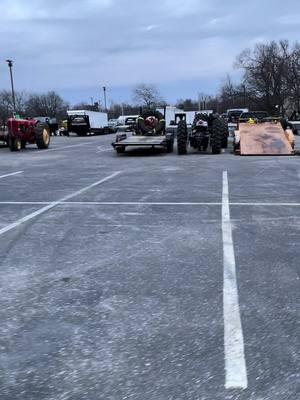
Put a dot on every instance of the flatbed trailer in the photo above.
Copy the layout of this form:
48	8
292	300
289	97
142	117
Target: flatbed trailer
149	131
263	139
141	141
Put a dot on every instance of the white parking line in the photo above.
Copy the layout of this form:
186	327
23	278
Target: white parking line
146	203
12	174
54	204
109	203
104	148
69	147
266	204
235	364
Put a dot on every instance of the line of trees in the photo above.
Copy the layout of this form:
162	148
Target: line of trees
271	78
32	105
270	81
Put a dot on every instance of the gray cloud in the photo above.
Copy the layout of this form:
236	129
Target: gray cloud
69	44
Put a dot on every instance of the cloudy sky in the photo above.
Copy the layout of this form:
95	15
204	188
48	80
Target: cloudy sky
184	46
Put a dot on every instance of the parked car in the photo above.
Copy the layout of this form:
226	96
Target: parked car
113	125
294	121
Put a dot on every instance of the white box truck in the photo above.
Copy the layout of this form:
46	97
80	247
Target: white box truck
84	122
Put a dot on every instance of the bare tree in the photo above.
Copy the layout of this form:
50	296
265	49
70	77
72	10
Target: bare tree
266	74
147	95
85	106
49	104
294	78
6	105
187	104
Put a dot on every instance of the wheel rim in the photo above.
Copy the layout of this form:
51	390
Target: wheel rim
18	144
45	136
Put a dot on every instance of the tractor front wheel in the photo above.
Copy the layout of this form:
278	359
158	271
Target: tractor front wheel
42	135
120	149
216	136
182	138
225	135
14	144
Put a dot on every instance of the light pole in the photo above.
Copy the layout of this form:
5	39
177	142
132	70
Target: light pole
10	65
104	93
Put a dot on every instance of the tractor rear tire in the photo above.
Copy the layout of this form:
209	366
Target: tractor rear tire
216	136
14	144
42	135
224	142
182	138
225	135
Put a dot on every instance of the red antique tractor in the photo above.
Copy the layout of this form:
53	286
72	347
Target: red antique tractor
27	131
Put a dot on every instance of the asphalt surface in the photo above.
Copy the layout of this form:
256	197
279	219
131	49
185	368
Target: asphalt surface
113	289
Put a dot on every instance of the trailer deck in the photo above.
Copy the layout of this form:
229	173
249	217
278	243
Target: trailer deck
141	141
264	139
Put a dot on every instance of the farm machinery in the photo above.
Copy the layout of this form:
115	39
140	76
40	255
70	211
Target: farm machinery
207	130
148	131
27	131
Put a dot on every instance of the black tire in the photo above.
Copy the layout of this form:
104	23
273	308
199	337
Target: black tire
14	144
205	144
224	142
225	135
216	136
141	127
120	150
42	135
182	138
170	146
23	144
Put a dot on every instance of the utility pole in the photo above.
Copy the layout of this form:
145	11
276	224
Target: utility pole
10	65
104	94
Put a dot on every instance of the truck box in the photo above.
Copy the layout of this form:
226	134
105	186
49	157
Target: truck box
83	122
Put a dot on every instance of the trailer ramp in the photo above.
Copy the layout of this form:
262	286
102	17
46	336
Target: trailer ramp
265	139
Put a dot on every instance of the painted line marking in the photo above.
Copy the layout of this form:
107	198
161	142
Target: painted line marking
108	203
55	203
235	364
104	148
144	203
68	147
12	174
265	204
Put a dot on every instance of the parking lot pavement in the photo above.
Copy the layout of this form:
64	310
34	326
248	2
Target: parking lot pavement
140	277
